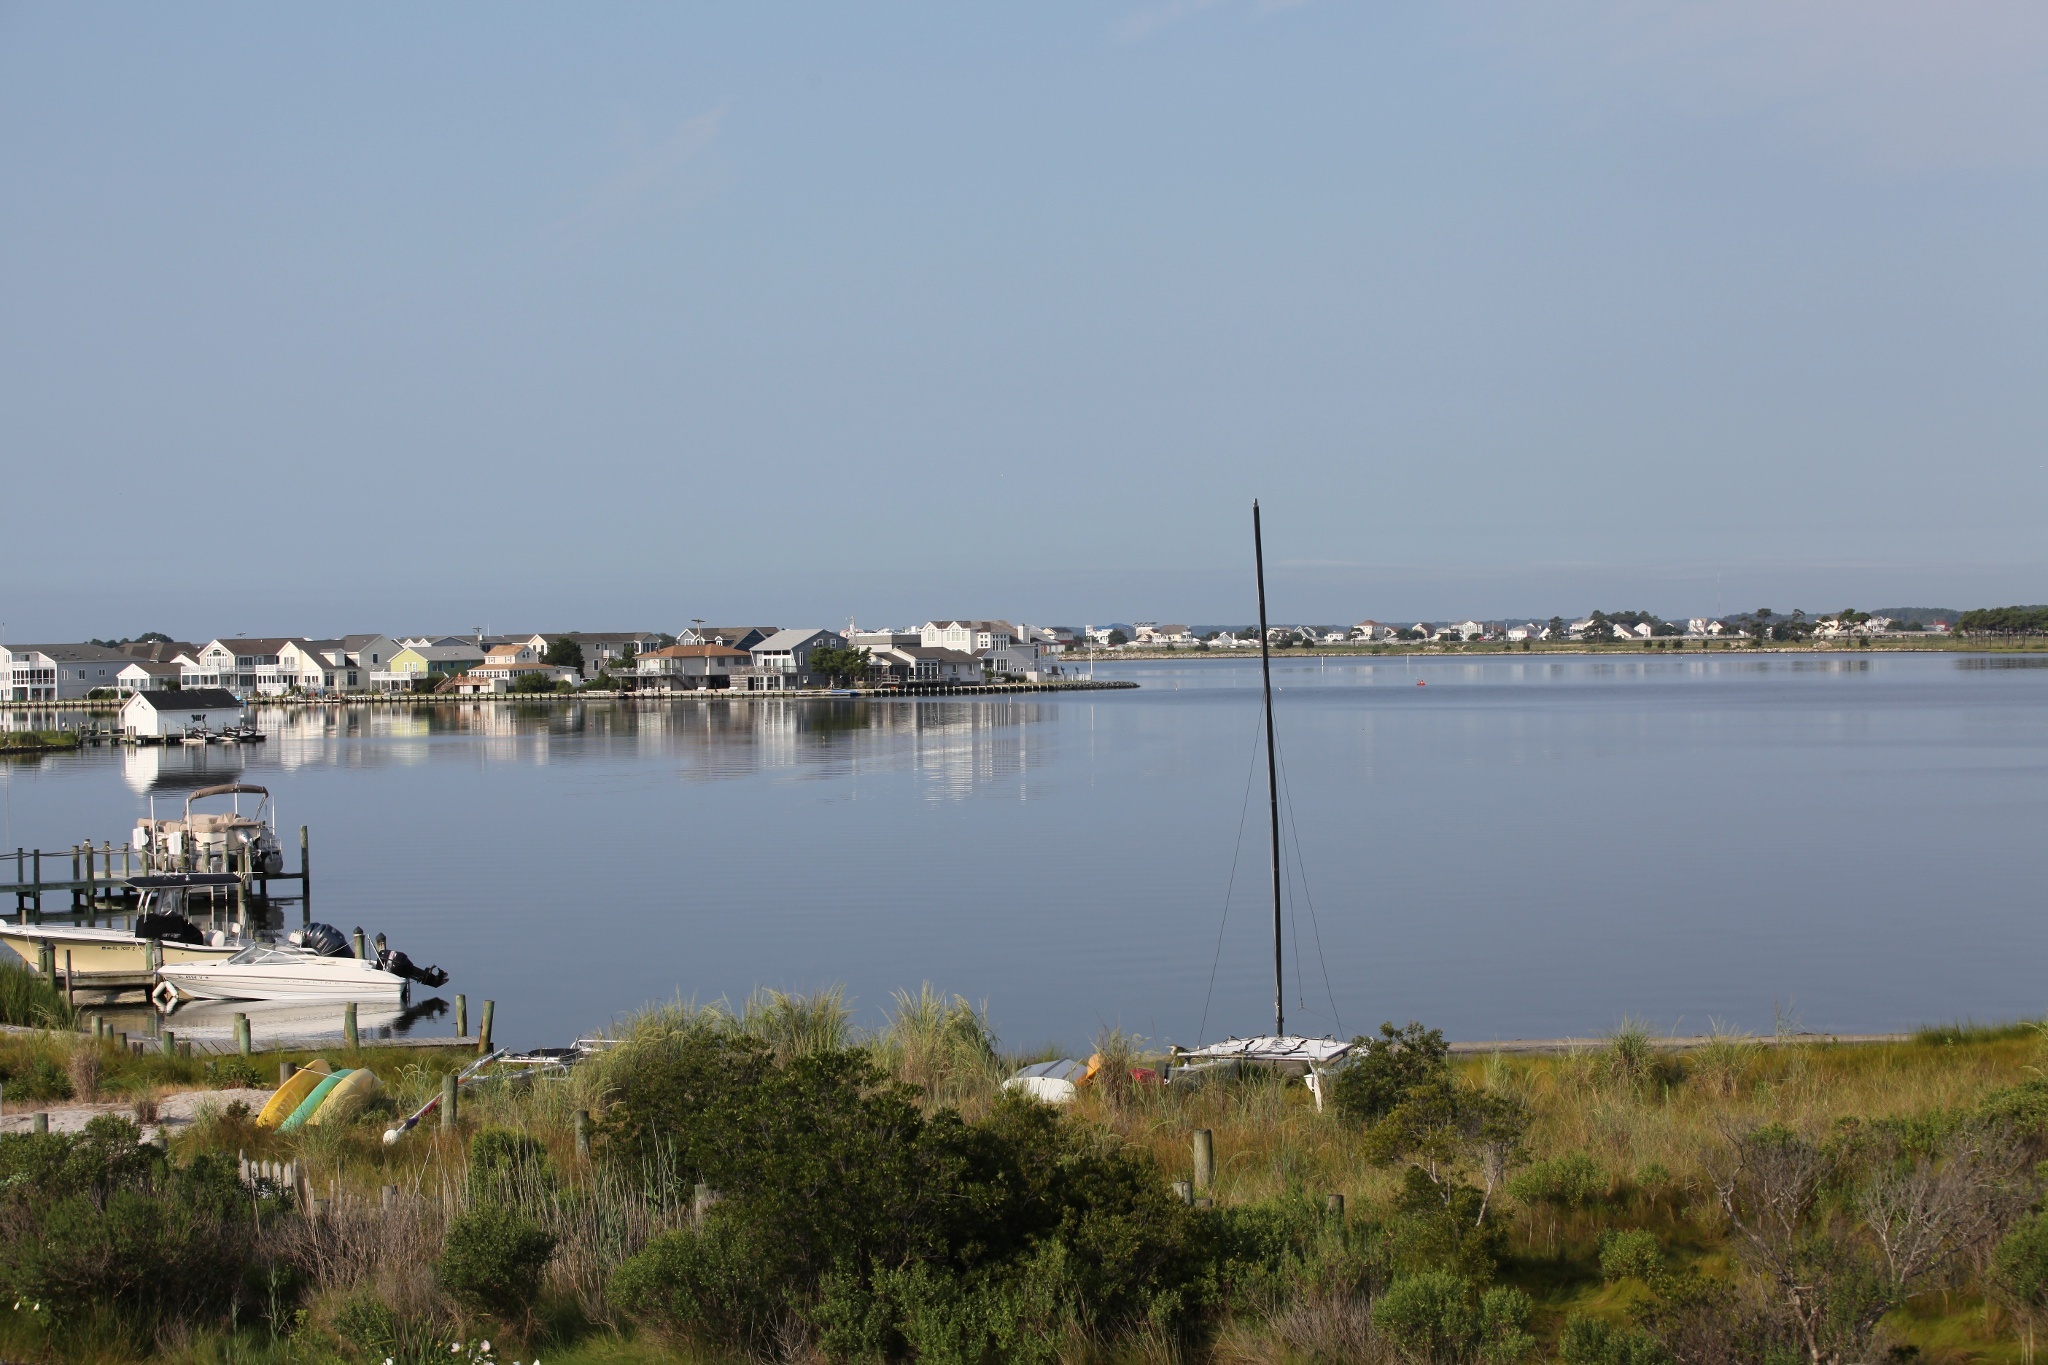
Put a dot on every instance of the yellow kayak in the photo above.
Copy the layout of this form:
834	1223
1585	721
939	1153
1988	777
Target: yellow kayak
347	1098
289	1095
310	1105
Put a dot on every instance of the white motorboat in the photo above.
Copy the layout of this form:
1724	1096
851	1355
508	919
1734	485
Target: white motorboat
280	971
214	841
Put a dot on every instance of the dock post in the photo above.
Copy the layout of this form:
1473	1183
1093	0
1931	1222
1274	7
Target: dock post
38	866
450	1097
358	937
285	1071
121	1040
461	1016
70	998
1184	1190
75	880
348	1026
483	1031
170	1042
1205	1158
305	880
39	1122
583	1134
244	1044
20	898
92	890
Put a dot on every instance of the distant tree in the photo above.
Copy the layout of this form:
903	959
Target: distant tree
1557	628
2004	621
843	667
535	681
1117	637
565	652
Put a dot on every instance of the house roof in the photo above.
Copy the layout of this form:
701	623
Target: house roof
944	656
157	668
733	635
191	699
697	652
158	651
75	654
608	637
443	653
976	625
240	645
789	639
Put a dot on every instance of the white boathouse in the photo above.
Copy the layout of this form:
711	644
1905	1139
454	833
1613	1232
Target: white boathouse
163	715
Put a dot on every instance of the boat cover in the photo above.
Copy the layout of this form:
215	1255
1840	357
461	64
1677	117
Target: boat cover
1273	1048
1054	1082
325	940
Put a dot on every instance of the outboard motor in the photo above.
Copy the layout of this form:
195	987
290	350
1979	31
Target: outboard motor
398	964
325	940
167	926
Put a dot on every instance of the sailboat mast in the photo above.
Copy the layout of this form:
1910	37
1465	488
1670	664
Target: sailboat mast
1272	772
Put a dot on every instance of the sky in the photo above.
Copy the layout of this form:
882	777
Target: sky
318	319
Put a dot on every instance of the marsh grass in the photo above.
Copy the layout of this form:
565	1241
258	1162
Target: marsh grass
941	1045
30	1001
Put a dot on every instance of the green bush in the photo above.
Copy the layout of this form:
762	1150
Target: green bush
714	1285
492	1260
1437	1318
1573	1180
41	1079
1594	1341
29	1000
1385	1069
233	1073
96	1223
1634	1254
1436	1227
505	1165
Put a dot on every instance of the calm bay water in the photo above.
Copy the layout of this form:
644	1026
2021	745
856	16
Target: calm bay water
1522	847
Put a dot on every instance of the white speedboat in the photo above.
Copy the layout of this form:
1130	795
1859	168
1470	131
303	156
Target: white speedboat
279	971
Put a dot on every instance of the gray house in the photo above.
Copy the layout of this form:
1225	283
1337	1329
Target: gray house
782	662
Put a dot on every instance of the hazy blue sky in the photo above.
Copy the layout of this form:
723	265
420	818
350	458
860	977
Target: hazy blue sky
418	317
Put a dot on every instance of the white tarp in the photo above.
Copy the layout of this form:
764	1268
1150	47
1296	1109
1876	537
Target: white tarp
1053	1082
1271	1048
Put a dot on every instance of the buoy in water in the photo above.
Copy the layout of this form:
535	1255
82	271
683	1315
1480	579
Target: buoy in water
1420	683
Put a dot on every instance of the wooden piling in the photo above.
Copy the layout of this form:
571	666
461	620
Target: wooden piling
450	1097
170	1043
38	894
1184	1190
461	1016
305	880
583	1134
357	937
244	1044
121	1040
1205	1158
70	997
389	1196
348	1026
39	1122
285	1071
483	1031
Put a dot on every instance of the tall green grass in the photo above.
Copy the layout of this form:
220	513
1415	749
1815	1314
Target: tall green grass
28	1000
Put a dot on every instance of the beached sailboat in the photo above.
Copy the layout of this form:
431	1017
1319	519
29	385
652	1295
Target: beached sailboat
1288	1053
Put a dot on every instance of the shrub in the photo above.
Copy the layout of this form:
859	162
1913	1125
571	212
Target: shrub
1631	1255
233	1073
1573	1180
716	1284
29	1000
41	1079
1385	1069
492	1260
1594	1341
83	1067
1437	1319
506	1165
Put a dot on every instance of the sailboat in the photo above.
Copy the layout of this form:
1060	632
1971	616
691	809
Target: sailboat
1291	1054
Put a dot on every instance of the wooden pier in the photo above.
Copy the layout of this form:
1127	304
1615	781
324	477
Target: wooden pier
98	884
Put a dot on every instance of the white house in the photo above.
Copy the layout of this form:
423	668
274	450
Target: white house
60	672
916	664
688	667
969	637
145	676
162	715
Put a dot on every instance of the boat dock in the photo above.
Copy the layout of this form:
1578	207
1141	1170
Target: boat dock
98	888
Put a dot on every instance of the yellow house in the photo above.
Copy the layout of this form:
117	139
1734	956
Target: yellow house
420	661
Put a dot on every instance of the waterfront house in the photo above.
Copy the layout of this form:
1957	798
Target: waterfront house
783	661
601	648
1017	661
969	637
59	672
148	676
168	715
916	664
681	668
1174	636
513	652
503	674
249	667
411	663
732	637
885	639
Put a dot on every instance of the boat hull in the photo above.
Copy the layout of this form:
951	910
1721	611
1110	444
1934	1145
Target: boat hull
322	979
103	952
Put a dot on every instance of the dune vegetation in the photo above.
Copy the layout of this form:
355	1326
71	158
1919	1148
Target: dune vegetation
768	1182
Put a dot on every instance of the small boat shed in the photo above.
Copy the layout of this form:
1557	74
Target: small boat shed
169	715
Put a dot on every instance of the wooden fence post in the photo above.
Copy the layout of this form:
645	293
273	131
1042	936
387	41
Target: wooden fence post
461	1016
450	1097
1205	1158
244	1043
583	1134
348	1026
483	1032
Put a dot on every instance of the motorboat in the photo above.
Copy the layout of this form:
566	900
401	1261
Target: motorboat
214	841
313	964
160	934
280	971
